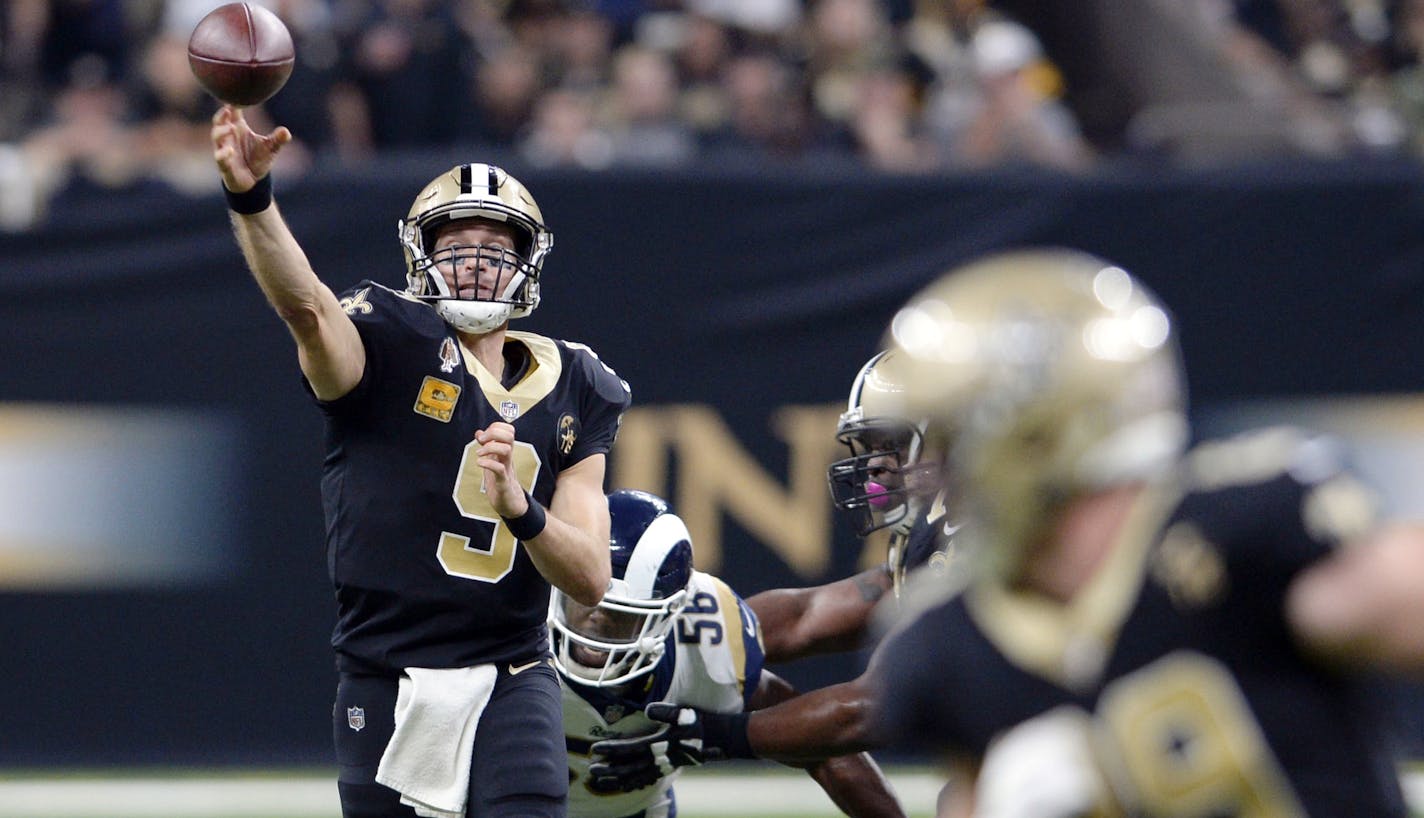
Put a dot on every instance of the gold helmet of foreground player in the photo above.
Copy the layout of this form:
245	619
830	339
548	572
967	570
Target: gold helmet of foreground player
1050	373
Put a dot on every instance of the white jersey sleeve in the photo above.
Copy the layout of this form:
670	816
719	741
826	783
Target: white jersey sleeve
715	665
719	651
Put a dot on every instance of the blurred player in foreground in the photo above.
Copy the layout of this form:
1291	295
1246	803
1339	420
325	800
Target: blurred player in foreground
667	633
1141	631
882	484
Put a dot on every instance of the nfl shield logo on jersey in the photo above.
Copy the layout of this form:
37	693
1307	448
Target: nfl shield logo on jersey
509	410
356	718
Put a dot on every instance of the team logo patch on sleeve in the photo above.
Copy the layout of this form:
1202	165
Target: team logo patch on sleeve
1189	567
568	432
357	303
437	399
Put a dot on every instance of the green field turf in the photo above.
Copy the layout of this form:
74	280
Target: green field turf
746	791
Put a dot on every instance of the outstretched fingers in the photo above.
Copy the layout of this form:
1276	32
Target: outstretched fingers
243	155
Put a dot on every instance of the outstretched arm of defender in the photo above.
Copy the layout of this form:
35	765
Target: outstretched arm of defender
801	622
854	781
816	725
328	346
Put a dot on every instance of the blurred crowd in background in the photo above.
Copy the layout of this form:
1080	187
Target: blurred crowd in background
98	92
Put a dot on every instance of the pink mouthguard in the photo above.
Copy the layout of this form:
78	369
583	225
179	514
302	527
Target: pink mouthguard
877	495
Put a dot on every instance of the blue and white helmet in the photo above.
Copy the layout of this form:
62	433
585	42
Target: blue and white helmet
625	635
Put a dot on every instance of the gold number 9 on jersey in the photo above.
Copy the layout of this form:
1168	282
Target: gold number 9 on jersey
459	555
1190	745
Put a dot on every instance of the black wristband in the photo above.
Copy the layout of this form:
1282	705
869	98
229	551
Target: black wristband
256	200
726	733
528	525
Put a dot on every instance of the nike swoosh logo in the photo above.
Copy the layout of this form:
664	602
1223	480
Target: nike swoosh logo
748	619
515	671
949	530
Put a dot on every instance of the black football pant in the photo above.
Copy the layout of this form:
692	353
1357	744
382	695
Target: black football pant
520	764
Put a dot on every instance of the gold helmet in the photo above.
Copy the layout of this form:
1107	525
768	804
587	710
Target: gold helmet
876	484
477	191
1049	374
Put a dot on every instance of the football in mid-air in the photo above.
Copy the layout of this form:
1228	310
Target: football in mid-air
241	53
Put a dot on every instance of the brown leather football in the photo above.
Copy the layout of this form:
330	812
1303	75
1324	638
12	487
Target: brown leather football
241	53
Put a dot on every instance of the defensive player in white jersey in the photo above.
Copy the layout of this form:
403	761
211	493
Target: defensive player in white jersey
664	636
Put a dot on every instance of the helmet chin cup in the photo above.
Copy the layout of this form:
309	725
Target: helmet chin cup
474	316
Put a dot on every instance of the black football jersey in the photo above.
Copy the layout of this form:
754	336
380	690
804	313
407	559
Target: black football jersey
929	544
1179	648
426	574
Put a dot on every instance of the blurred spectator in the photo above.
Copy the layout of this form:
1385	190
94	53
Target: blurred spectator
22	29
702	48
582	45
887	125
535	24
172	115
506	87
846	39
42	42
77	29
305	104
84	138
564	133
767	117
645	125
1013	114
1407	82
404	59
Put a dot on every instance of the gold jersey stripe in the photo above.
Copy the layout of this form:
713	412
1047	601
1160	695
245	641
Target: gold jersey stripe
735	627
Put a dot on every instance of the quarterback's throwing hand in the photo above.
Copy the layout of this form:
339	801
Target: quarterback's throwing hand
628	764
243	155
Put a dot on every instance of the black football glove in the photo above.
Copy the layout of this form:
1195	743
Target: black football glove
688	737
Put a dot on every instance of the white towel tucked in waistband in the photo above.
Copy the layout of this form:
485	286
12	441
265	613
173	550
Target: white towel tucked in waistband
428	757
